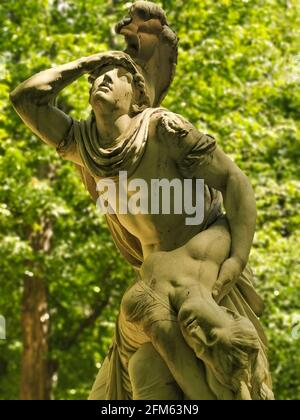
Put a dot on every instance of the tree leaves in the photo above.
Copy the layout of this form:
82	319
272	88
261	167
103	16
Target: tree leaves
238	79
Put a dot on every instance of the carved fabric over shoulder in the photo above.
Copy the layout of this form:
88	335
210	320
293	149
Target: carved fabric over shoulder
200	154
125	156
173	125
195	148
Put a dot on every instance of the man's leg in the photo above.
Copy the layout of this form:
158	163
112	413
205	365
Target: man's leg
150	377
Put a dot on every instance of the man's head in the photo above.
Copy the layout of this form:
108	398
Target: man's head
149	38
118	87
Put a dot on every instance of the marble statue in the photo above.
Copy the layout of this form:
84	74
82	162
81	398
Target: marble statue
188	327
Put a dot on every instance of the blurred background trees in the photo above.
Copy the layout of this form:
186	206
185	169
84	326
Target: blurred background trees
61	278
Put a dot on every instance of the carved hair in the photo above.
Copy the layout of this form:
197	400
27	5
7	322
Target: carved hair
232	352
120	59
236	353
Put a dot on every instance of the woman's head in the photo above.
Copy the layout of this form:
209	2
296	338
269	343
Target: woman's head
227	343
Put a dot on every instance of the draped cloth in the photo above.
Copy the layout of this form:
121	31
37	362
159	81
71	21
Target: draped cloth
82	144
94	163
113	382
108	162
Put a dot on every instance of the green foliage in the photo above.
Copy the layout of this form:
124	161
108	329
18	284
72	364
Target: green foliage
238	78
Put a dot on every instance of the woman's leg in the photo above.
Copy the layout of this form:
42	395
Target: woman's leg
150	377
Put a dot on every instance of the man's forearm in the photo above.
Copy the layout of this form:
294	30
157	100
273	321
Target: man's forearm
240	208
33	99
45	85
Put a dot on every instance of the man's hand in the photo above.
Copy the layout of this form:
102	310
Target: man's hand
229	274
91	63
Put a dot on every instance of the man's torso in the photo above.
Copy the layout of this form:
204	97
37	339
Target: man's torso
161	231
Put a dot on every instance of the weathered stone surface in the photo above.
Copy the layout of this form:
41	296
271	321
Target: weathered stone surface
193	310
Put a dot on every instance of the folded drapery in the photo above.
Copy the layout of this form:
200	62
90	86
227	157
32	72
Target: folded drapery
93	162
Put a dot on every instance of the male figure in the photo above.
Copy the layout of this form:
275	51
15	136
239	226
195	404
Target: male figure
162	145
153	45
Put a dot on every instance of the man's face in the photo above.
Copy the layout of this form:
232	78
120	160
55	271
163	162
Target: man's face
112	90
141	35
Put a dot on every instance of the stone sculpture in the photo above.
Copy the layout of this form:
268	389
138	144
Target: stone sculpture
188	326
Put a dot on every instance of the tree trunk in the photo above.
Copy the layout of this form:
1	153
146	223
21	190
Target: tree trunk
36	375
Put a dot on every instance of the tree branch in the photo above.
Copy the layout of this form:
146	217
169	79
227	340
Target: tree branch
87	322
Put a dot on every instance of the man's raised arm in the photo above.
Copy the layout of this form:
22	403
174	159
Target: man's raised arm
34	99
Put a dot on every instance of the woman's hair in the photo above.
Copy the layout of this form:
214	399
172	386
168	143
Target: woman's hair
237	359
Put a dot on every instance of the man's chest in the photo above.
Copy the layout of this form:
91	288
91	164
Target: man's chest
156	163
151	202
